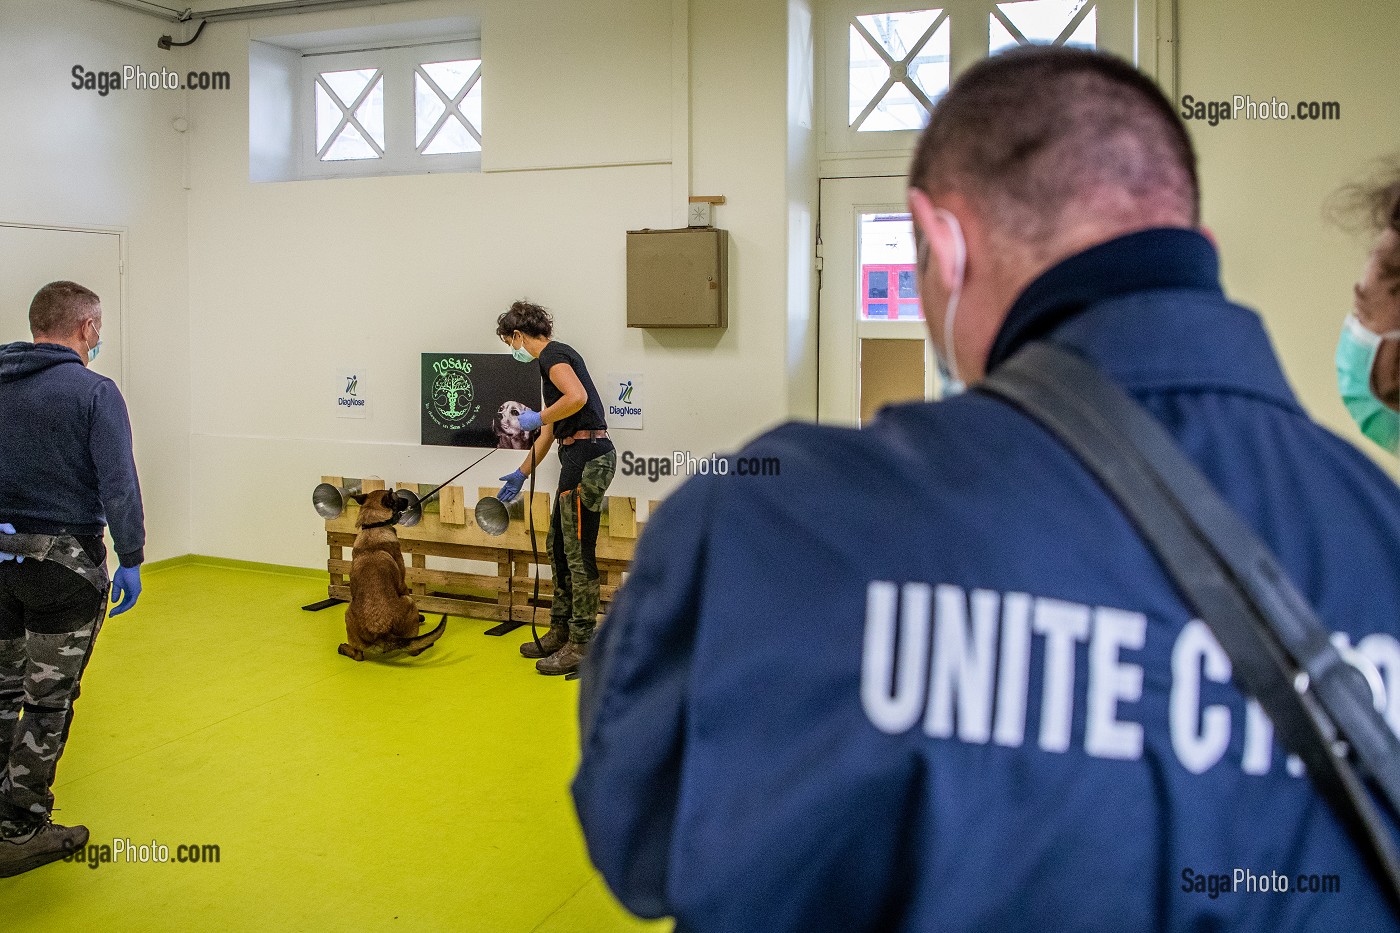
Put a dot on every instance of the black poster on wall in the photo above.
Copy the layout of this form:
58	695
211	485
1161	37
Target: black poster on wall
474	399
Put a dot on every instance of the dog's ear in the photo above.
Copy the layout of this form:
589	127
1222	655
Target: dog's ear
359	498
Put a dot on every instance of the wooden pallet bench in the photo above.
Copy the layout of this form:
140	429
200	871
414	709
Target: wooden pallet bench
449	530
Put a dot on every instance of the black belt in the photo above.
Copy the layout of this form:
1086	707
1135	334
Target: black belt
584	436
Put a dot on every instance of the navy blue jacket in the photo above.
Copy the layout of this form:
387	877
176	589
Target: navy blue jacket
1062	748
65	450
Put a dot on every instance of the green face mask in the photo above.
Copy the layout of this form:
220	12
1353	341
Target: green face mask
1356	357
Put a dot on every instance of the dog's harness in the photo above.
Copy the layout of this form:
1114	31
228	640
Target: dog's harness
582	436
64	550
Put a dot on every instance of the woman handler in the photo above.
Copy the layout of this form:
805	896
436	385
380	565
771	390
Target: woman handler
1368	354
573	415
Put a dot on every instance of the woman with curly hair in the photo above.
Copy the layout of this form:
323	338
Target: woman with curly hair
1368	354
573	414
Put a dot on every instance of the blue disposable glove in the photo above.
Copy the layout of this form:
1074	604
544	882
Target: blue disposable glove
8	529
511	490
529	420
126	587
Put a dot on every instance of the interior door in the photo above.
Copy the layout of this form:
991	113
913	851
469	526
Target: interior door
31	257
872	344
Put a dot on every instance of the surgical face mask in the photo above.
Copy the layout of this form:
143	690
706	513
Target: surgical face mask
96	348
1356	358
946	359
520	353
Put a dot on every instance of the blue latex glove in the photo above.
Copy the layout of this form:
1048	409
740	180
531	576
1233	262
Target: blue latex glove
511	490
126	587
529	420
8	529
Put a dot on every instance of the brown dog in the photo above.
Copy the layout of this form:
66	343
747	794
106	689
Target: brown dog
381	614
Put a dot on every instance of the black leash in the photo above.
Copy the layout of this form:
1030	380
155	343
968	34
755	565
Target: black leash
424	499
534	553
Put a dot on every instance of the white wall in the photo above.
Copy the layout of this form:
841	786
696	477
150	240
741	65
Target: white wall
1264	184
244	298
72	157
290	279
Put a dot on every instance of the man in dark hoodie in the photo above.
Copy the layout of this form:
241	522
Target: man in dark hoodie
66	471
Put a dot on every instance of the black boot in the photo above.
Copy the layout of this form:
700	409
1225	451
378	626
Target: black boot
47	842
564	661
550	641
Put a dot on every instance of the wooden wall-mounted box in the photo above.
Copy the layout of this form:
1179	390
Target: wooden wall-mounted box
678	278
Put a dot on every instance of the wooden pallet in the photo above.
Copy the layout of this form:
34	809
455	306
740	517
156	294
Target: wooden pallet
449	529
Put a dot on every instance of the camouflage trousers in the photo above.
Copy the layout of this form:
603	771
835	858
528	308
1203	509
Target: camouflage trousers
573	535
40	673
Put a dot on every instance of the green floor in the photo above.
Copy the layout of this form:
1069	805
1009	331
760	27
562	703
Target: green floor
420	794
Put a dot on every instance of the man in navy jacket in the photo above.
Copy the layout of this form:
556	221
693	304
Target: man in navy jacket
66	472
929	677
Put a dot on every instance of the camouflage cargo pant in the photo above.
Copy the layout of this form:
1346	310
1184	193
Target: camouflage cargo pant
573	535
41	666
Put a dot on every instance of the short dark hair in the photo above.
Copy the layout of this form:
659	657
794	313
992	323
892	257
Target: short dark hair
526	317
1025	132
60	307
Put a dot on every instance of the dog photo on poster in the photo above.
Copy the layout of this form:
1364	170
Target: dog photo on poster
475	399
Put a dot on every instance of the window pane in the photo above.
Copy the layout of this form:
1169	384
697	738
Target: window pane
453	137
899	32
899	109
331	108
450	76
350	144
920	60
1087	35
347	85
879	286
1043	21
868	74
371	112
427	107
887	259
471	105
907	287
327	116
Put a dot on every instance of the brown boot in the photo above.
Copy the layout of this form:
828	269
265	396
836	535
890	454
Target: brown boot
551	641
46	843
564	661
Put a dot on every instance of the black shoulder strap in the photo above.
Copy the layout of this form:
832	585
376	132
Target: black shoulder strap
1321	695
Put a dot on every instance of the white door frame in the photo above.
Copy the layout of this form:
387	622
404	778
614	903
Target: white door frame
839	330
123	304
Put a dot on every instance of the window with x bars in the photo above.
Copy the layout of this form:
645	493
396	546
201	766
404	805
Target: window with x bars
350	111
899	64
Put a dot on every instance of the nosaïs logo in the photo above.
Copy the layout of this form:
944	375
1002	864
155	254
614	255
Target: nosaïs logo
453	404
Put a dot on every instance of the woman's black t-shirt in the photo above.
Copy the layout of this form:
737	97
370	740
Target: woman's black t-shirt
591	416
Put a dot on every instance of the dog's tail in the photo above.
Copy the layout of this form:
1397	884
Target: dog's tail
416	646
